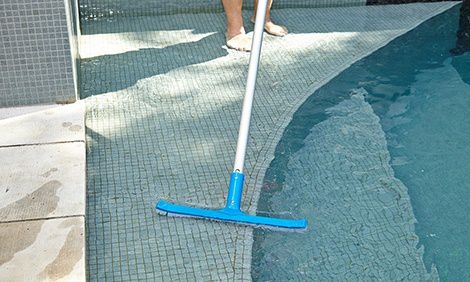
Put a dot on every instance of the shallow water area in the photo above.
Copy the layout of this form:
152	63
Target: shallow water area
378	161
163	104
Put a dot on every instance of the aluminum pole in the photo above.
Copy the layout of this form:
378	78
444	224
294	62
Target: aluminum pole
250	85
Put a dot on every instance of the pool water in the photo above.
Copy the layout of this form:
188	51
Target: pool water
378	161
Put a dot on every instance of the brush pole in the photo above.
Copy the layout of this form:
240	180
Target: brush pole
250	85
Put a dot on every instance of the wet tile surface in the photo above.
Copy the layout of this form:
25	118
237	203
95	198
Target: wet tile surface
162	123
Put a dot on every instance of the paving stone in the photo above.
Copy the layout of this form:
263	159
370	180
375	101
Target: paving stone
43	250
18	111
57	124
42	181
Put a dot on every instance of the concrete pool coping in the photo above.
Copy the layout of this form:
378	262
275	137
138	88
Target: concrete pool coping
42	209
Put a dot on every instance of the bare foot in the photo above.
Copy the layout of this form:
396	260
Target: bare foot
272	28
240	42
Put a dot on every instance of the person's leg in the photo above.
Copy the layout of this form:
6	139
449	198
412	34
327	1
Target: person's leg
269	26
233	12
236	37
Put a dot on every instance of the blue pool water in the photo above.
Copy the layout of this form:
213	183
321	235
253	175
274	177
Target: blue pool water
378	160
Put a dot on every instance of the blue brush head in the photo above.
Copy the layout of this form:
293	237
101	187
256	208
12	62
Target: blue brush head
231	215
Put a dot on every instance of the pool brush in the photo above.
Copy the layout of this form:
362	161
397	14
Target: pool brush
231	212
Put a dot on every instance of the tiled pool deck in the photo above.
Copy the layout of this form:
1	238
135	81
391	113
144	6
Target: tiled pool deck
163	101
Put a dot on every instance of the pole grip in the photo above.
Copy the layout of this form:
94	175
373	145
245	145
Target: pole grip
235	191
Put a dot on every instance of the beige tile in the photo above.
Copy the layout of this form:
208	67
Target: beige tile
42	181
18	111
43	250
56	124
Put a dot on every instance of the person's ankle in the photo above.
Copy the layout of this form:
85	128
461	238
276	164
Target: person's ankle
233	31
266	20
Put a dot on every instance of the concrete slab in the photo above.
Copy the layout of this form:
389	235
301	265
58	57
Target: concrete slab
42	181
56	124
43	250
18	111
